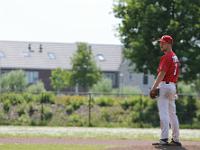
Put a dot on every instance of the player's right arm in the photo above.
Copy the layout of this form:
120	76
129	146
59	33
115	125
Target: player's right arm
159	78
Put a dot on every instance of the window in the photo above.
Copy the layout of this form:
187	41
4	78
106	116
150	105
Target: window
145	79
100	57
2	55
51	55
130	76
32	76
26	54
113	77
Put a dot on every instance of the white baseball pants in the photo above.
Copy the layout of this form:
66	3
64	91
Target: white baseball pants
167	111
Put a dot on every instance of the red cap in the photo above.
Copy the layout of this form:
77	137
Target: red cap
167	39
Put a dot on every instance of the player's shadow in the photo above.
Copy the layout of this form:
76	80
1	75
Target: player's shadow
170	147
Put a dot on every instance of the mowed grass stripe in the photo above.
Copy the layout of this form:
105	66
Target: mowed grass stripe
51	147
110	133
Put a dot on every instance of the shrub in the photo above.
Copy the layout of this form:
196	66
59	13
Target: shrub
128	102
14	98
58	119
28	97
104	101
22	109
105	115
24	119
134	117
185	88
6	105
3	119
133	111
47	113
31	110
36	88
69	109
71	102
76	104
104	85
47	97
187	109
75	120
67	100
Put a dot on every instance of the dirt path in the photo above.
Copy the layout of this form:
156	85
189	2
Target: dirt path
116	144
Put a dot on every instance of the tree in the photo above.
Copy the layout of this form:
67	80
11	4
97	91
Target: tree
13	81
85	72
143	22
60	79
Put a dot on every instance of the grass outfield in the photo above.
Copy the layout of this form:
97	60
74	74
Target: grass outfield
101	133
34	138
50	147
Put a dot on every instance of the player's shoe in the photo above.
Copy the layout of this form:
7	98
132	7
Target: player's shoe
175	143
162	142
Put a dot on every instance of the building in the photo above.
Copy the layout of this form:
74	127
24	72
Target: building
38	59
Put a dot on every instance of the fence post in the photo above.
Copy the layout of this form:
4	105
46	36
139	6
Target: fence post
89	109
42	112
42	107
141	111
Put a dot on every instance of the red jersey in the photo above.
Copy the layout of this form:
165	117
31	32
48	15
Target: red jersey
169	63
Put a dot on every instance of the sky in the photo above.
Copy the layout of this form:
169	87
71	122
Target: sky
67	21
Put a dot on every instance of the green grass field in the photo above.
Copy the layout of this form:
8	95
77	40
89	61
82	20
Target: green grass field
81	133
50	147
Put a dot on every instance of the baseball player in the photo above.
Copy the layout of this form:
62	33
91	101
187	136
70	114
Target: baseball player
166	80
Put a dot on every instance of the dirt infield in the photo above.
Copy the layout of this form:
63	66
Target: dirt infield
115	144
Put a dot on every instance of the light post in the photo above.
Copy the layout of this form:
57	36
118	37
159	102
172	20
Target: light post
121	75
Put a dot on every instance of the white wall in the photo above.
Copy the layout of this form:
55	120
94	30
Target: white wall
129	78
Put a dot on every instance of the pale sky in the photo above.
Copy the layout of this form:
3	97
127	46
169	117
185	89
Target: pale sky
66	21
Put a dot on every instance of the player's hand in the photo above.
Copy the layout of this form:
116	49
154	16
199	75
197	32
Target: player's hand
154	93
